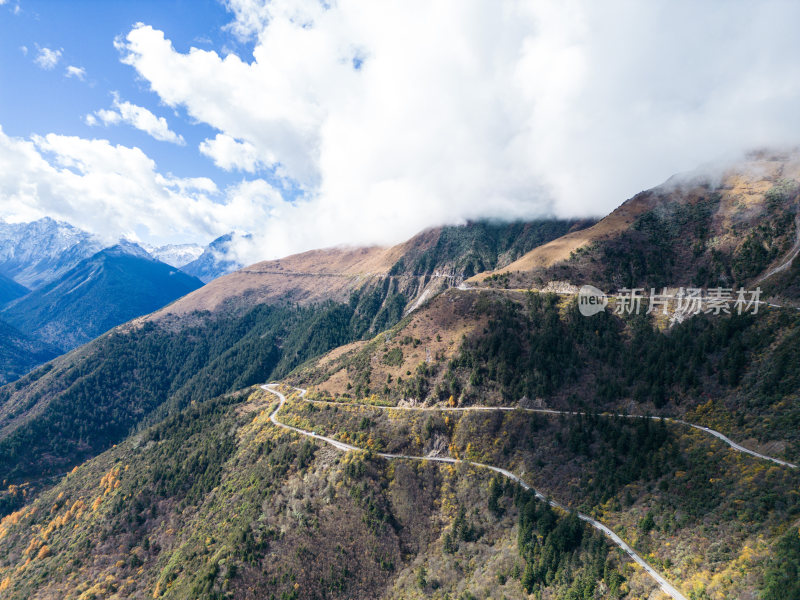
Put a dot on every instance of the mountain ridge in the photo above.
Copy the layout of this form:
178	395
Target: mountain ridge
102	291
344	269
734	225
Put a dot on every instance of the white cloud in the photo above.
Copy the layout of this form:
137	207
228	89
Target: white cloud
117	191
47	59
252	17
24	50
229	154
138	117
269	115
76	72
107	117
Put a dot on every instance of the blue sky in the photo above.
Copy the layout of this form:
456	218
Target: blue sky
313	123
38	101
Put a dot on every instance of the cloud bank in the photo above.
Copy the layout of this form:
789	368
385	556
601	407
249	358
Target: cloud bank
389	116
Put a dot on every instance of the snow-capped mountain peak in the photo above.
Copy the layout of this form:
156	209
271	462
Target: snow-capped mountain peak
38	252
131	248
176	255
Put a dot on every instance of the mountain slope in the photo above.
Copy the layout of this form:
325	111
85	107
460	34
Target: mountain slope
730	229
713	523
461	252
36	253
10	290
699	512
427	263
19	353
109	288
486	347
307	523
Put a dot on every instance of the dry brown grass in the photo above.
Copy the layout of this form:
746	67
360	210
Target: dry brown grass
741	189
308	277
313	276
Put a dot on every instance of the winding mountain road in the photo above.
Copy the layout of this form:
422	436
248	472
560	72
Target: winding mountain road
464	287
550	411
733	444
665	585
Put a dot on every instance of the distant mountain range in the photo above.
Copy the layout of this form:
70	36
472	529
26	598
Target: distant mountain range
36	253
108	288
176	255
60	288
